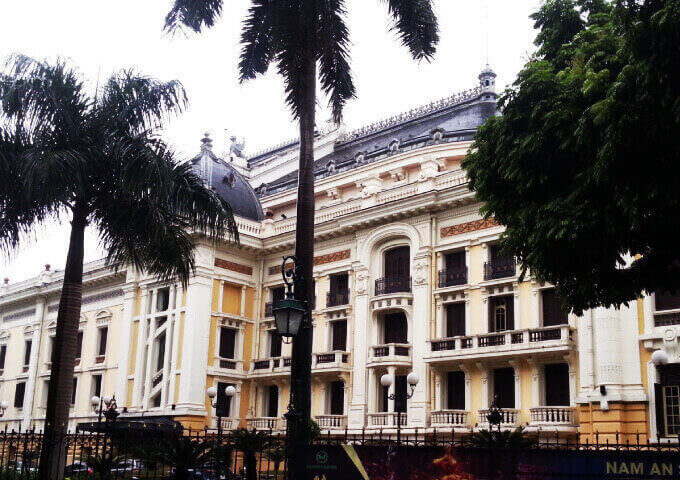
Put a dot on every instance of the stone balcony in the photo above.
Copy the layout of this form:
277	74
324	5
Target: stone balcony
510	418
386	419
390	355
277	424
270	367
449	419
331	422
503	344
332	362
227	423
551	417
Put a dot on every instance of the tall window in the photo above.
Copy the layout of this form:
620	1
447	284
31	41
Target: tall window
501	314
553	313
162	299
160	349
272	406
274	344
278	294
667	399
227	342
73	392
339	333
97	385
556	377
19	393
504	387
338	290
397	272
455	319
3	356
27	352
223	401
399	395
395	328
103	336
666	301
455	390
79	344
337	400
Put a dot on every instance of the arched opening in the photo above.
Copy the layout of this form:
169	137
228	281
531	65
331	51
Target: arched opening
394	328
397	271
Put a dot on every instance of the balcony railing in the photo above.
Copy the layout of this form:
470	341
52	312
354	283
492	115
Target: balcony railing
500	268
509	339
449	418
386	419
267	423
331	422
664	319
392	350
271	363
321	359
395	284
509	416
227	423
269	309
452	277
227	363
335	299
553	416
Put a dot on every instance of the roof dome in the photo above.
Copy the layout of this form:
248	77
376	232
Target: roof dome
227	182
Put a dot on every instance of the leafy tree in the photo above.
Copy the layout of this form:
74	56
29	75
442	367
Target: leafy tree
307	40
184	453
277	455
96	158
582	166
102	465
250	443
511	439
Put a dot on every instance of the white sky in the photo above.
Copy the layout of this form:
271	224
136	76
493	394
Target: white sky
100	37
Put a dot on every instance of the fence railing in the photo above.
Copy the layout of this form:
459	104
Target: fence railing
335	299
394	284
500	268
452	277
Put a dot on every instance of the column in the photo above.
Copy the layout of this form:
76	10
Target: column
36	337
392	372
485	384
468	386
518	384
422	309
439	318
175	318
535	383
357	410
141	349
439	390
485	310
569	358
149	352
220	297
243	300
535	306
195	343
468	314
124	348
515	305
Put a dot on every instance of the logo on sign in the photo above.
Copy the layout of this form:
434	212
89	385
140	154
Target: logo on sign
322	457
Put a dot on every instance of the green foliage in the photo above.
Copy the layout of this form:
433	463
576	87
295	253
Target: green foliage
511	439
102	464
184	453
582	166
288	32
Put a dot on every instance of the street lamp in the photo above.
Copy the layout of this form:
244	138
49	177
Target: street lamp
219	403
3	406
289	313
110	413
387	381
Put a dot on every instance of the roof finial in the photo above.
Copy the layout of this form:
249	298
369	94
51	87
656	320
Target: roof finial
206	143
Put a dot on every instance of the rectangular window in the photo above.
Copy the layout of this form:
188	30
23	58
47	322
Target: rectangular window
27	352
553	314
272	401
666	301
337	402
274	344
556	378
455	390
162	299
160	349
501	314
339	332
96	385
223	401
103	336
667	396
278	294
339	283
455	260
455	319
45	392
504	387
227	343
19	395
79	345
3	356
671	408
74	391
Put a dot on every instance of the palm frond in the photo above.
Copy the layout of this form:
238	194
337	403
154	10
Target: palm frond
334	70
416	25
193	14
256	52
136	103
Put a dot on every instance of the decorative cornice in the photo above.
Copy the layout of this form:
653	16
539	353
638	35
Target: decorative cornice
233	266
103	296
319	260
468	227
18	315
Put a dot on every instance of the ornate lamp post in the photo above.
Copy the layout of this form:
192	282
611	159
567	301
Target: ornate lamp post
495	415
292	319
110	413
220	406
387	380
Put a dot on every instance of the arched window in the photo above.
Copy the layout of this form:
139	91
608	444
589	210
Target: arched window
501	316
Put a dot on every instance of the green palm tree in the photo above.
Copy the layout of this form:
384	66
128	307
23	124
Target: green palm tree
184	453
102	465
307	40
98	159
250	442
510	439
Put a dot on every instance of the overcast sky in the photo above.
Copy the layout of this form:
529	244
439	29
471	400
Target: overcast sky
101	37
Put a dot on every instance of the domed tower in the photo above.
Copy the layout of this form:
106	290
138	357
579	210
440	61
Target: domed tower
227	182
487	80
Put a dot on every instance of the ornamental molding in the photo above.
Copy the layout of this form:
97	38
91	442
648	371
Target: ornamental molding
362	277
459	212
468	227
318	260
19	315
421	272
233	266
102	296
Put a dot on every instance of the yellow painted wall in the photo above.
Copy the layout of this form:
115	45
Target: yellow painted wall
476	312
476	272
628	419
250	303
526	310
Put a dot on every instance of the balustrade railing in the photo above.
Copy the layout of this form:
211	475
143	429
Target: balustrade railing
451	418
395	284
561	333
452	277
336	299
392	350
553	415
509	416
331	422
386	419
500	268
271	363
332	357
267	423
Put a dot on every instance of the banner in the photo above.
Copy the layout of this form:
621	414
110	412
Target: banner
347	462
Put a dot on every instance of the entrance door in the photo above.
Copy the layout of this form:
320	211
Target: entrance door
396	328
556	385
504	387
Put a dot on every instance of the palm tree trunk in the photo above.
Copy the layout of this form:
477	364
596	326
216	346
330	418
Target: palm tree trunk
301	368
63	355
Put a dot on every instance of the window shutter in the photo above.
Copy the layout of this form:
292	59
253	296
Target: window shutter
660	417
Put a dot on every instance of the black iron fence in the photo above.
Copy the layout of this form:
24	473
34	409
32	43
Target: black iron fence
452	277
